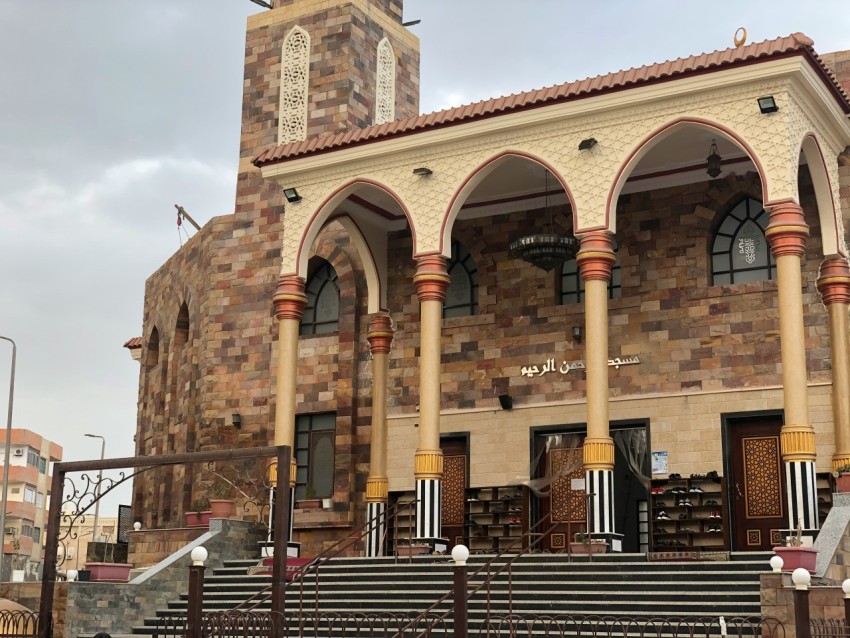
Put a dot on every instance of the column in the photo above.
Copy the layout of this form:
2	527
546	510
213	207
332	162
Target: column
834	287
380	337
289	302
431	281
595	260
787	232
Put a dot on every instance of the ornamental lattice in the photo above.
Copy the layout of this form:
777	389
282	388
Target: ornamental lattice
294	79
385	85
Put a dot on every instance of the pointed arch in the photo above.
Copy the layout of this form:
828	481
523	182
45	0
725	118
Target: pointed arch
152	349
321	314
294	86
385	83
376	288
471	181
831	233
658	136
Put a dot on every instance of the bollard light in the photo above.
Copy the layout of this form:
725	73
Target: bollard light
71	575
199	556
460	554
801	578
776	563
137	526
846	587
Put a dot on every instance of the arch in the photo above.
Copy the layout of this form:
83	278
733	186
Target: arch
471	181
658	136
294	86
739	249
385	83
321	314
831	238
326	210
376	288
571	285
462	293
152	351
181	326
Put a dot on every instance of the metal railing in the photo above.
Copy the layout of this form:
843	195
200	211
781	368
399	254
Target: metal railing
18	623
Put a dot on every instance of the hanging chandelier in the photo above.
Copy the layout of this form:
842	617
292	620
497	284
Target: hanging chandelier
713	161
545	250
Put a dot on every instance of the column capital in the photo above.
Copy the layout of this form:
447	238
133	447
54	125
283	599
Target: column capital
289	299
377	489
431	278
797	442
428	464
834	281
787	229
596	256
380	335
598	453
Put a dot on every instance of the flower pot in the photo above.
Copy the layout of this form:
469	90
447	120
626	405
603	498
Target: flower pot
794	557
842	483
109	572
309	504
222	508
198	519
593	547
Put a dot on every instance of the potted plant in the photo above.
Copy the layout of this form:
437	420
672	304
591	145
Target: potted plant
309	502
584	544
842	478
108	570
200	514
222	505
793	553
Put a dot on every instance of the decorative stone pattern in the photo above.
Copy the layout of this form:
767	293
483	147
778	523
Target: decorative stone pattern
385	92
762	488
591	176
454	496
294	82
568	505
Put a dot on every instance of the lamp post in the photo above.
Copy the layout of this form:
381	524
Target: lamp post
97	487
460	554
6	457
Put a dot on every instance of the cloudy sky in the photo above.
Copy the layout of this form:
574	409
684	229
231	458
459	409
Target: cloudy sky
112	111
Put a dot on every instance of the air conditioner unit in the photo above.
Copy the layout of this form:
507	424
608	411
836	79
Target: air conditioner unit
19	452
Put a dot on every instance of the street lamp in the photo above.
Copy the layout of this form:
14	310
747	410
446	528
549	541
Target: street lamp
6	457
97	487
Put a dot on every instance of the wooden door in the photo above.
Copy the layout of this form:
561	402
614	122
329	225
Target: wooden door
757	483
455	464
559	464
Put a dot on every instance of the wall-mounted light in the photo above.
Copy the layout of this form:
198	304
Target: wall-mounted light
237	420
577	333
422	171
291	195
506	401
767	104
587	144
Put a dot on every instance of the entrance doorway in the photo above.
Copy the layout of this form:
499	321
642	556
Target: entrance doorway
455	449
756	481
558	475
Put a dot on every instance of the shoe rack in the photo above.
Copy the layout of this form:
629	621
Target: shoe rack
495	517
689	514
825	489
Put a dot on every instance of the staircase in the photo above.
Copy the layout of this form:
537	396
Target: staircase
610	585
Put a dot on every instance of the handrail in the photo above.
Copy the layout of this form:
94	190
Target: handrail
263	595
490	576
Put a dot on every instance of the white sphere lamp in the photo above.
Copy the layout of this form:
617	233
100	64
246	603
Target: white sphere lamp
776	563
845	586
137	525
199	556
71	575
460	553
801	578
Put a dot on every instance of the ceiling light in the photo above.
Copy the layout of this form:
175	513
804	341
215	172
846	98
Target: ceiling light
713	159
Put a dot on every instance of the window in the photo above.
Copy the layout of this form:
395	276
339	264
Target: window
314	455
462	294
385	89
29	494
26	530
321	315
39	500
740	251
294	83
32	458
42	465
36	534
572	285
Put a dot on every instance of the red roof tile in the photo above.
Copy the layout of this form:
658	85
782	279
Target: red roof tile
794	44
134	343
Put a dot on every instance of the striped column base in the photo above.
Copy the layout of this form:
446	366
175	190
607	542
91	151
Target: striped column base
377	527
428	508
802	494
600	483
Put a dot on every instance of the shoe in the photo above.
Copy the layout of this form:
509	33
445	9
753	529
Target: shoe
821	500
712	475
683	516
662	516
687	530
697	476
713	503
675	476
661	530
685	502
696	490
657	490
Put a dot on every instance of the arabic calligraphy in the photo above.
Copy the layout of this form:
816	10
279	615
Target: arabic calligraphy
551	366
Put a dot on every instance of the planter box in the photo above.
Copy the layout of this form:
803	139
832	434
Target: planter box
309	504
222	508
794	557
198	519
109	572
593	547
842	483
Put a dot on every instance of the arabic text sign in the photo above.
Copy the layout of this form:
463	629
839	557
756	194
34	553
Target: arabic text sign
566	366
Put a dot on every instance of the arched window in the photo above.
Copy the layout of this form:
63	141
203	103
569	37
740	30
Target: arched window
385	84
321	315
294	82
572	285
740	251
181	328
462	294
152	355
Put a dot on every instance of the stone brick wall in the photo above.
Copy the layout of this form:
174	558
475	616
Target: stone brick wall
150	546
777	601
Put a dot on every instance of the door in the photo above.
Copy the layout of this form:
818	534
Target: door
557	464
455	473
757	482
